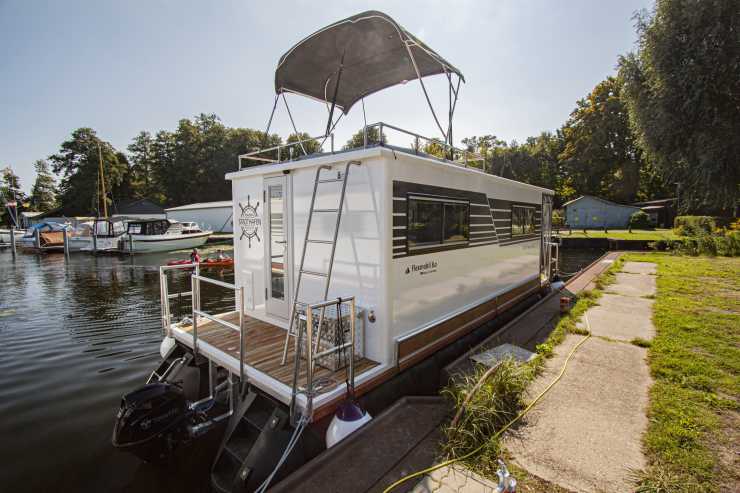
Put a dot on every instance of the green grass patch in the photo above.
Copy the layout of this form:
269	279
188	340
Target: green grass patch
639	341
623	234
695	362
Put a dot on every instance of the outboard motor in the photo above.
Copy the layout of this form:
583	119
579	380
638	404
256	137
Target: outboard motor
152	421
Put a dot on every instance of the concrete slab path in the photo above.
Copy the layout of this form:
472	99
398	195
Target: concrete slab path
585	434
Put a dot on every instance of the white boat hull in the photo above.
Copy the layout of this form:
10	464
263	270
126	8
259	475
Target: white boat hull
163	243
5	235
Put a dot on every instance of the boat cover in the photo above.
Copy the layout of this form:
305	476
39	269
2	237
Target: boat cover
373	51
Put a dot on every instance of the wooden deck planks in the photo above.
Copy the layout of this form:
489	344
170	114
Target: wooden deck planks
263	350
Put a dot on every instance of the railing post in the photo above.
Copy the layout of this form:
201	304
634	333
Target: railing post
364	136
309	361
241	340
332	143
278	155
380	133
12	240
195	290
353	315
416	144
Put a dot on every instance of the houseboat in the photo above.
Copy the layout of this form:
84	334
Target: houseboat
359	273
160	235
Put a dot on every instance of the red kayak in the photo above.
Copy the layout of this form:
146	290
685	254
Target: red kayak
209	262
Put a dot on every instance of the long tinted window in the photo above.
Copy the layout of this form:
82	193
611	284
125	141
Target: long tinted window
434	222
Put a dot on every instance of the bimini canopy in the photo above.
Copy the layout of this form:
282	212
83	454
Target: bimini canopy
357	56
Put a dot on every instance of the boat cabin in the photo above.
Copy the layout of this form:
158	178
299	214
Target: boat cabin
151	227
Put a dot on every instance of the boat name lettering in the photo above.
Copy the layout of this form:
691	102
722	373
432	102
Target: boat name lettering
422	269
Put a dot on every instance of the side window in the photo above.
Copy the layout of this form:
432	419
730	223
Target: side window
434	222
522	220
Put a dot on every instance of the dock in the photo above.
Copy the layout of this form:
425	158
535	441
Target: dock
410	429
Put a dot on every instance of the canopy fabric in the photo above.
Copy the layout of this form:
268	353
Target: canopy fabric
373	51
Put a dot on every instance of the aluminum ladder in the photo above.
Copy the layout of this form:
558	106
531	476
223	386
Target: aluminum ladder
295	313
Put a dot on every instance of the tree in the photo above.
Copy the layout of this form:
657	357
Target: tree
310	146
683	94
78	160
143	159
43	193
358	139
10	191
600	154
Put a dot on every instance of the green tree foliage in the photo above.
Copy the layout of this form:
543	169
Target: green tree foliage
305	148
600	154
682	89
43	193
143	159
78	163
358	139
10	190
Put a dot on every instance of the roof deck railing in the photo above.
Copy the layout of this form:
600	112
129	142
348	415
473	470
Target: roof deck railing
373	135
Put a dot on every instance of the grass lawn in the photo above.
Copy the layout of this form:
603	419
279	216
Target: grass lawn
622	234
693	438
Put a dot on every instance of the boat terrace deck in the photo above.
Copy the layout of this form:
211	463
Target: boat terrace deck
263	349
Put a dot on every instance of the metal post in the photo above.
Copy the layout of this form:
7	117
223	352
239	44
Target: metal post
66	243
332	143
380	134
95	237
353	316
364	136
12	240
130	244
37	238
278	155
241	340
416	144
309	360
194	288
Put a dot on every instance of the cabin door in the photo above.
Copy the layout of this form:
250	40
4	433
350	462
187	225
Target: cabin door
546	238
278	280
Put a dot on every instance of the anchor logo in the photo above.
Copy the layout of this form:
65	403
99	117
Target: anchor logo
250	221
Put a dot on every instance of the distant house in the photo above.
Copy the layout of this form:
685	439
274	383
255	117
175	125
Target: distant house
137	209
214	216
588	212
661	212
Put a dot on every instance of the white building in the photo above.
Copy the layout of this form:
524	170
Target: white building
213	216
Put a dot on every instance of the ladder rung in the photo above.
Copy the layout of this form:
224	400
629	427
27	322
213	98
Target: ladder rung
327	242
312	273
326	210
331	180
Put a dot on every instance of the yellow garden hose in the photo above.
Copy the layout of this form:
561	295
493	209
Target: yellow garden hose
499	432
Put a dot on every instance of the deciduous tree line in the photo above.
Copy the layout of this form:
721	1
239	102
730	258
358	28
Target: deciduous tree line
668	120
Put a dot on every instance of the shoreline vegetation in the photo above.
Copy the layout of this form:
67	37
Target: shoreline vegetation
694	359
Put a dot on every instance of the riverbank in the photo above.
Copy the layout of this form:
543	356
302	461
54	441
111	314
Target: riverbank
693	439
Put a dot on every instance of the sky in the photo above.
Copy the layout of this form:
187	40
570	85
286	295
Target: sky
123	67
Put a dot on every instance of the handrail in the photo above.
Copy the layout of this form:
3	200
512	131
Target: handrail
450	150
312	357
195	281
165	296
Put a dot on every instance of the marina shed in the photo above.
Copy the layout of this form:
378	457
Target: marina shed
588	212
212	216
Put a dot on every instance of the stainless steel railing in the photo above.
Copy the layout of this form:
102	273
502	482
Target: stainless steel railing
313	353
165	296
196	279
285	152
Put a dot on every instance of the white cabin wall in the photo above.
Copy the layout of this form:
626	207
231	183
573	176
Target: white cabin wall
462	277
359	256
249	257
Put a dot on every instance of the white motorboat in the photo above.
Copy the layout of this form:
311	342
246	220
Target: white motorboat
103	235
160	235
5	235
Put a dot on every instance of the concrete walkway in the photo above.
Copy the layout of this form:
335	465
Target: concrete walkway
585	434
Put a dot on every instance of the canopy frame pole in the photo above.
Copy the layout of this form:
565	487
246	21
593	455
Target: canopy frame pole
423	87
364	119
334	98
272	114
452	103
298	136
332	129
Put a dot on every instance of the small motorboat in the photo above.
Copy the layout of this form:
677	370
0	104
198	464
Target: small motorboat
209	262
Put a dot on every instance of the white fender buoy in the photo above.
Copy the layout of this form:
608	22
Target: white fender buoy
348	418
557	285
166	347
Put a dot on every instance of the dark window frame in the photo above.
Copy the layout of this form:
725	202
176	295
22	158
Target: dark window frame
527	229
442	244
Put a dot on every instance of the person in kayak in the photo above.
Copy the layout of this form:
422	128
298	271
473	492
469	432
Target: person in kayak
221	256
194	256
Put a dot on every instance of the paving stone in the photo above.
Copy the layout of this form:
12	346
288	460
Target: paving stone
640	268
633	285
620	317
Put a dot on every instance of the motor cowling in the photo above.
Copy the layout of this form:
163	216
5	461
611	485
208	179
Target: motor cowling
150	420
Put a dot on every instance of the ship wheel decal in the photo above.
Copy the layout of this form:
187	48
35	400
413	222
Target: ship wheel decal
250	221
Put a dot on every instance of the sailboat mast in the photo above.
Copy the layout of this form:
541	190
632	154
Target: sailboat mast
102	182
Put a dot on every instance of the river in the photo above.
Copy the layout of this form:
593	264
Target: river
74	337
